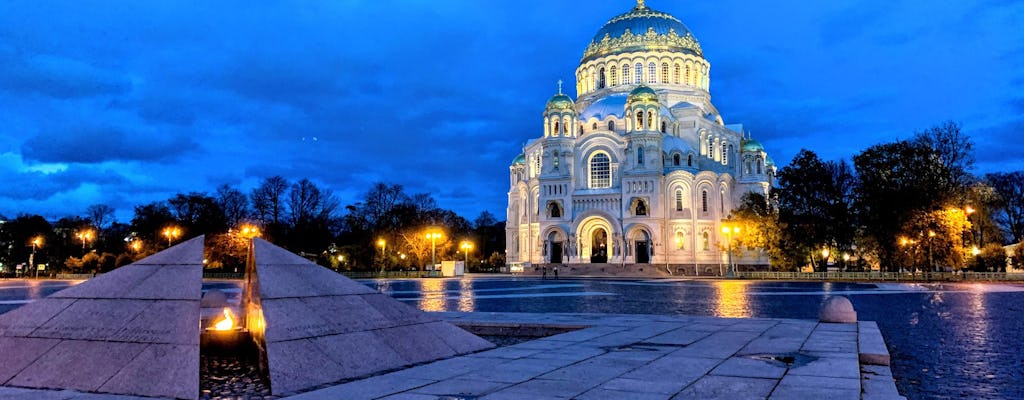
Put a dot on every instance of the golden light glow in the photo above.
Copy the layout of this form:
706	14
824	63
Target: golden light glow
975	251
731	299
825	252
433	295
381	242
969	210
249	231
341	258
37	241
171	233
136	245
85	235
225	324
433	235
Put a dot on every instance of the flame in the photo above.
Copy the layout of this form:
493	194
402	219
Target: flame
225	324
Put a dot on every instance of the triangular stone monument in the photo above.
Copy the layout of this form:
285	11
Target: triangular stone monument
314	326
134	331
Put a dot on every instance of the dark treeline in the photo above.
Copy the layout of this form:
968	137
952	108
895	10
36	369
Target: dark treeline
387	229
910	204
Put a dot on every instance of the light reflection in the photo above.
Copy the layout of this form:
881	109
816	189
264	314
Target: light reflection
466	301
35	290
432	297
731	299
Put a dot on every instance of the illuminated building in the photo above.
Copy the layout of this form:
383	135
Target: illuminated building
640	168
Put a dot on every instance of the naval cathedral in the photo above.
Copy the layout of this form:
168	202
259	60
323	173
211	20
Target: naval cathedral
640	168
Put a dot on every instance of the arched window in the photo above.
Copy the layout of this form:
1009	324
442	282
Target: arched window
641	208
639	75
711	149
758	162
747	168
554	132
721	202
650	120
679	240
639	121
652	73
554	211
594	126
689	80
675	159
554	160
640	156
725	158
614	76
600	79
704	200
675	74
689	160
664	72
611	125
600	171
625	74
707	243
663	126
679	199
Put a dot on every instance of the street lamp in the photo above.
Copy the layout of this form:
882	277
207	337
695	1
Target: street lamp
136	245
171	233
36	243
729	231
466	246
824	258
85	235
383	255
433	236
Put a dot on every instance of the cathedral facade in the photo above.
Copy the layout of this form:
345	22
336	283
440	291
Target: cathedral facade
640	168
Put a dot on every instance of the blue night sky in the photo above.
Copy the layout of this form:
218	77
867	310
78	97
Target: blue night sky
127	102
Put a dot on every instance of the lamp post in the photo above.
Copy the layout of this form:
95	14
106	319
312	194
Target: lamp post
136	245
824	258
433	236
171	233
729	231
36	242
466	246
383	252
85	235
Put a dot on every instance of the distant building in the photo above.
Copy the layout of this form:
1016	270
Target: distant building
641	167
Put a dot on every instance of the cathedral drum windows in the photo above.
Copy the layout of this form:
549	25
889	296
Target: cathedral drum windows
600	171
652	73
639	74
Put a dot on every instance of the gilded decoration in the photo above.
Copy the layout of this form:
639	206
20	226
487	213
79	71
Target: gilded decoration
650	40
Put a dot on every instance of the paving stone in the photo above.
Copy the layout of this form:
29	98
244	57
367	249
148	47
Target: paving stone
512	372
681	336
172	282
591	372
722	344
450	368
727	387
607	394
413	347
507	352
78	365
673	368
410	396
633	385
94	319
548	387
750	368
752	326
830	366
359	353
23	320
878	384
460	387
170	322
820	382
458	339
161	370
17	353
789	392
111	285
763	345
871	345
397	312
370	388
299	364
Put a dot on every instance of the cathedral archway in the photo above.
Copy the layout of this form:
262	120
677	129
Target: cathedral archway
599	246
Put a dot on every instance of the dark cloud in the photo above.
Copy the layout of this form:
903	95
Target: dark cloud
56	76
91	145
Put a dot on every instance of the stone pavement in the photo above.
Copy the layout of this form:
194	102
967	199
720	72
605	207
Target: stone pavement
648	357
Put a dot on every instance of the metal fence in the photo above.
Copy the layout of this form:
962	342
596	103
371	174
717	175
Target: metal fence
884	276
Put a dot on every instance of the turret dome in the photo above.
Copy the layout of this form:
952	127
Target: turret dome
519	160
642	93
751	145
560	102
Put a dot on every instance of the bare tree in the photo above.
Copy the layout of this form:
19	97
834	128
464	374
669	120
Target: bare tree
101	215
234	204
268	199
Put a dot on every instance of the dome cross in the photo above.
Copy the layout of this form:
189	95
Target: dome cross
559	86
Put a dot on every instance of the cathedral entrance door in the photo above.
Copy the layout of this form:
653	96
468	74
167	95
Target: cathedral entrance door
556	252
599	246
642	255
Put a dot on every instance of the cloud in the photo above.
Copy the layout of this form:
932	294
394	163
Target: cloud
57	76
96	144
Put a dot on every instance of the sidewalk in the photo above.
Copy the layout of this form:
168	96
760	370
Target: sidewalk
648	357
